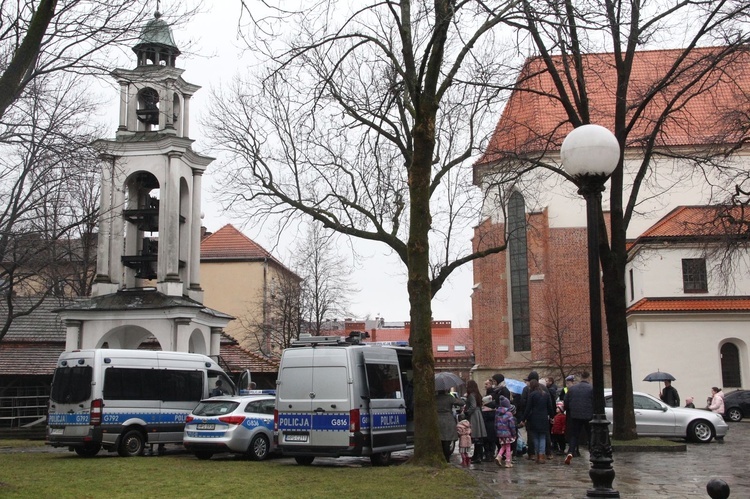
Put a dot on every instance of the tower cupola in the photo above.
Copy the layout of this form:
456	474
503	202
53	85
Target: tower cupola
156	45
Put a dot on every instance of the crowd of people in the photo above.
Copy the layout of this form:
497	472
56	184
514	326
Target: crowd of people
487	425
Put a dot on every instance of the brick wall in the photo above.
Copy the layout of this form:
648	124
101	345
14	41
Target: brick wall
558	296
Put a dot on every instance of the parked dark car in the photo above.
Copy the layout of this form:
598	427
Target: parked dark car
737	405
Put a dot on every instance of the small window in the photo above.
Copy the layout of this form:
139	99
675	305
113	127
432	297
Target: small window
442	348
694	276
632	287
459	348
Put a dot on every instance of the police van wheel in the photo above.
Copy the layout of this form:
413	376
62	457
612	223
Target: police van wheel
381	459
89	450
203	454
259	446
304	460
131	444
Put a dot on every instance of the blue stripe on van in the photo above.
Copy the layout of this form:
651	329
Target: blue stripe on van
389	419
68	419
114	418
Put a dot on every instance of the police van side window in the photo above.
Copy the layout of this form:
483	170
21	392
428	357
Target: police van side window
131	384
71	385
383	381
182	385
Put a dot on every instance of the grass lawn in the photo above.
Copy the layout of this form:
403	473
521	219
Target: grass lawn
59	475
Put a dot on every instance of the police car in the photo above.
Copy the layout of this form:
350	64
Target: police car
238	424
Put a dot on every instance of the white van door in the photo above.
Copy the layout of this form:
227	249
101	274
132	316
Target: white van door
386	400
330	398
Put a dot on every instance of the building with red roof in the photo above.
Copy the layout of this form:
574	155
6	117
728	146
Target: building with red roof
688	313
530	303
241	278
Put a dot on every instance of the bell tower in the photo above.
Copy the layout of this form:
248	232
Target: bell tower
151	182
147	284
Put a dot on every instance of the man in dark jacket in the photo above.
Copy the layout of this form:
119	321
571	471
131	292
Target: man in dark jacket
669	395
579	407
500	388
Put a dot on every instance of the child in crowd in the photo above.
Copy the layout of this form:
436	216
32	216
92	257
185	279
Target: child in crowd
505	428
558	430
463	427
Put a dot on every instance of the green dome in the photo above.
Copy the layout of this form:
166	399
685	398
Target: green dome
157	33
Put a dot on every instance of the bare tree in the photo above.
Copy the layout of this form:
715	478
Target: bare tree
48	179
326	287
281	321
577	43
363	122
561	335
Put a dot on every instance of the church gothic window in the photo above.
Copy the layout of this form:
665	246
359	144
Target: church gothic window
519	273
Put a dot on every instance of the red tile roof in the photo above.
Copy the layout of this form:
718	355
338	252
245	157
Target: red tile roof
691	222
239	359
440	336
228	243
697	304
29	359
534	121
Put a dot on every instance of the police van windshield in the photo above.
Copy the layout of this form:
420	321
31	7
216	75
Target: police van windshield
71	385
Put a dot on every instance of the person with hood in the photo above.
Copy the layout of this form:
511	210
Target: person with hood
506	432
463	429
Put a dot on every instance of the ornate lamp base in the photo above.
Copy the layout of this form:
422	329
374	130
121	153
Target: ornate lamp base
600	447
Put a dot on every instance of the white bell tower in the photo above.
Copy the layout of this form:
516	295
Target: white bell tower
147	284
151	185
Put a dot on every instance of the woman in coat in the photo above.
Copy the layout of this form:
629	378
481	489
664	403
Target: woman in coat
716	400
473	411
539	409
446	421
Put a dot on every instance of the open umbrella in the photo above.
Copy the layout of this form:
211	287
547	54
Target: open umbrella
446	381
514	385
659	376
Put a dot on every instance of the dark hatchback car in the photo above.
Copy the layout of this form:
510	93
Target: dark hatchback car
737	405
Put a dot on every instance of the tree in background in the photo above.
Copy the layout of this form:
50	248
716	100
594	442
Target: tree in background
560	340
363	120
326	287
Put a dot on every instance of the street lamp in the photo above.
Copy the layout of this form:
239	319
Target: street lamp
590	154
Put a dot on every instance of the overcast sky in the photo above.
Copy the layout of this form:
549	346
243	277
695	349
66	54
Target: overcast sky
214	57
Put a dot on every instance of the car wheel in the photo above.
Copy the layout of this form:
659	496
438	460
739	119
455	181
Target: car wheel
132	444
203	454
701	431
304	460
734	414
89	450
381	459
259	448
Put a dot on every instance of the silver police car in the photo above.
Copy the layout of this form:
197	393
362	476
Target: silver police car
240	424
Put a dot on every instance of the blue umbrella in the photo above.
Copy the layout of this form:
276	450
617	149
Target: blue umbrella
514	385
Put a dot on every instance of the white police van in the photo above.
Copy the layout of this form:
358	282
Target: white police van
339	396
122	400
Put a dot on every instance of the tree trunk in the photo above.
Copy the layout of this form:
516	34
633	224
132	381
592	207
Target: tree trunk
427	448
619	343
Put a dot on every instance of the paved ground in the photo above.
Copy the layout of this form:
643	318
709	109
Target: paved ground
637	474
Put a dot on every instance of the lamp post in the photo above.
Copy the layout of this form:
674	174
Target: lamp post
590	154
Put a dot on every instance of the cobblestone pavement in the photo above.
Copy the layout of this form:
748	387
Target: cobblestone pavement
664	475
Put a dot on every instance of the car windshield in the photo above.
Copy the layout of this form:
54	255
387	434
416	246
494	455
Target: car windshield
215	408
